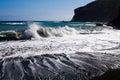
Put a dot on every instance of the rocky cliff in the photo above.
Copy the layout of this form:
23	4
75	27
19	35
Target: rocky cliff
116	22
97	11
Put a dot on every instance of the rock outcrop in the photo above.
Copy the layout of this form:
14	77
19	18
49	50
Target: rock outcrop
116	22
8	36
76	66
97	11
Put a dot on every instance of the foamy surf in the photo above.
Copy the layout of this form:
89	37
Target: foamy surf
59	53
105	41
78	57
50	40
37	31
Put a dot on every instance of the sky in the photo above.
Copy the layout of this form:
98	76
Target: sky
39	10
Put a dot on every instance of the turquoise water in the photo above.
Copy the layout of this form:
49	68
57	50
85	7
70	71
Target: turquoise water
22	25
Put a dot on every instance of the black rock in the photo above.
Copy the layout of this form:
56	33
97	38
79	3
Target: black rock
99	24
97	11
116	22
109	75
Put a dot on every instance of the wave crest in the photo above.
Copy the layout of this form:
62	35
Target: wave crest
58	32
36	31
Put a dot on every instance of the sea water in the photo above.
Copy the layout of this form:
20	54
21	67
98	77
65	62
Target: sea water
45	28
22	25
57	50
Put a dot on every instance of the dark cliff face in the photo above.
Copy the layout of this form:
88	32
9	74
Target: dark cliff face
97	11
116	22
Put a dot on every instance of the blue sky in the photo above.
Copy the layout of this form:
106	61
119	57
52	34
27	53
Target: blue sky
39	9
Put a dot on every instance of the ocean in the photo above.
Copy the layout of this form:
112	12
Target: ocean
22	25
57	50
24	29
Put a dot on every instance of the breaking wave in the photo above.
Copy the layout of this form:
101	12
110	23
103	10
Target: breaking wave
35	31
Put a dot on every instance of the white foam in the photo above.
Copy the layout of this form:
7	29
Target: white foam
31	32
13	23
108	41
58	32
35	31
90	24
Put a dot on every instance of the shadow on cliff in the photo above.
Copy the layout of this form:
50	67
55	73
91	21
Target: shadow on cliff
116	22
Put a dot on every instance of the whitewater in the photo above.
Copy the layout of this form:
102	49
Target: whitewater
62	40
60	53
